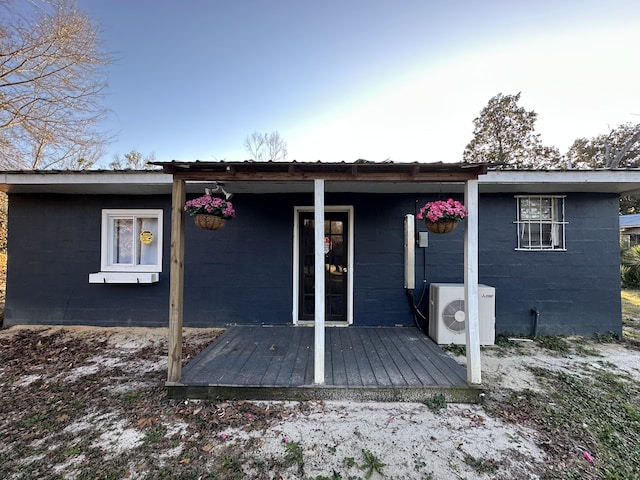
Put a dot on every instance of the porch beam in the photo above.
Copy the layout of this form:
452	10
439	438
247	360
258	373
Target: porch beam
176	285
319	313
471	283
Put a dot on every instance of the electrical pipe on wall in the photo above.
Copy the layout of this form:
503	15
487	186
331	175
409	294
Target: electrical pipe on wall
409	271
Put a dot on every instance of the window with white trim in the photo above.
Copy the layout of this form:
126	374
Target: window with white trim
131	246
540	222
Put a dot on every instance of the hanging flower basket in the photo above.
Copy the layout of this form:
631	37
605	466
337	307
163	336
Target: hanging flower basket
210	213
441	226
209	222
442	216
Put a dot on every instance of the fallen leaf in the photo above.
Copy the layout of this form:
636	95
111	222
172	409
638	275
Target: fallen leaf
146	422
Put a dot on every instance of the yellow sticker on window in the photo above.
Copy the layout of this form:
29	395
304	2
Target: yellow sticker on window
146	237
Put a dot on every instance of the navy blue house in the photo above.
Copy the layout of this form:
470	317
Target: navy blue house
94	248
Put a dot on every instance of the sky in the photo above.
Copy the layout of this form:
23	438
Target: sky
355	79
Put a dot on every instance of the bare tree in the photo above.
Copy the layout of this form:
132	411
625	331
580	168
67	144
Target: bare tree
266	147
134	161
51	85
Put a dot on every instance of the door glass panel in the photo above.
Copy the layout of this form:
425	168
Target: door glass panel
335	261
309	306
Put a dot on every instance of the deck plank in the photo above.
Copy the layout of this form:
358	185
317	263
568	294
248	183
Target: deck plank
299	372
386	352
365	368
295	343
352	370
415	363
338	370
364	362
401	363
372	347
434	367
282	362
229	366
253	371
440	366
200	370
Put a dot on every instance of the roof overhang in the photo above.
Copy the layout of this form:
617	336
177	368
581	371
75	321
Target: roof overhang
281	177
86	182
623	182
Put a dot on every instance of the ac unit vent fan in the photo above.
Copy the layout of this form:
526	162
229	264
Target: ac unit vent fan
453	316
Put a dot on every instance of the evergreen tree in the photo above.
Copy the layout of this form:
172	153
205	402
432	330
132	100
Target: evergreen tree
620	148
504	135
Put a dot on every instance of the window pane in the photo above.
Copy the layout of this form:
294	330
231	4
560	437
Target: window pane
541	223
530	208
530	235
545	209
147	244
122	241
536	235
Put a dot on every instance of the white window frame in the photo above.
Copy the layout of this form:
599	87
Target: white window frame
557	223
127	273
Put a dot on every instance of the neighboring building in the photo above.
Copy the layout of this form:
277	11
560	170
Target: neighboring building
629	230
548	244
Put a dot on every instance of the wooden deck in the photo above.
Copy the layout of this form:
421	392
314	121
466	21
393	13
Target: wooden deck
361	363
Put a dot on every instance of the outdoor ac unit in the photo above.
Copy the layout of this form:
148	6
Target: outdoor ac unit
447	322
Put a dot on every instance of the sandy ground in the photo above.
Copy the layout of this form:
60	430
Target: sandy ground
416	443
410	439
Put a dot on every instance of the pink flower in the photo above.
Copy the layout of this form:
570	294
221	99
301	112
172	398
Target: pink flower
210	205
588	457
443	210
286	439
223	436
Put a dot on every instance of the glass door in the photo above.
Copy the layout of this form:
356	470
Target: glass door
335	262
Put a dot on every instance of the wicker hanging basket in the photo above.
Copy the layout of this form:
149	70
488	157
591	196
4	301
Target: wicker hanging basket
441	226
209	222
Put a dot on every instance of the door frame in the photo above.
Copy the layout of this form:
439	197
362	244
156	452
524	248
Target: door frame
348	209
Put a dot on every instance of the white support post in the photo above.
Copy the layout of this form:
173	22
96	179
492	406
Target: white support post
319	314
471	283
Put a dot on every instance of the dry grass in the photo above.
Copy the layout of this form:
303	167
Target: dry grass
631	315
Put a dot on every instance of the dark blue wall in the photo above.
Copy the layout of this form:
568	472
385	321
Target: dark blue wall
53	245
576	291
243	274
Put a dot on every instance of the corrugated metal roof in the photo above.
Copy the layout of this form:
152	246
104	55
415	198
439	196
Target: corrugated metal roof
286	177
627	221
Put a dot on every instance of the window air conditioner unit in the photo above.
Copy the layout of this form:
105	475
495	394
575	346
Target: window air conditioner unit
447	322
